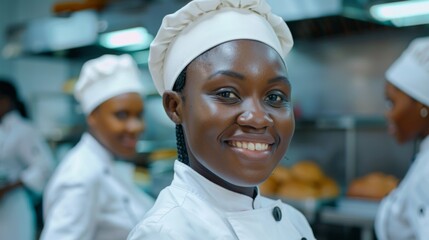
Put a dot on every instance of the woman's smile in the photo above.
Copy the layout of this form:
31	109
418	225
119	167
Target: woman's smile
252	146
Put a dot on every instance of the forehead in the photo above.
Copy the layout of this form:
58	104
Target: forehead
123	101
393	92
239	48
241	55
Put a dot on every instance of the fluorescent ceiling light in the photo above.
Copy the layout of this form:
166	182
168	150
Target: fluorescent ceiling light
399	10
129	39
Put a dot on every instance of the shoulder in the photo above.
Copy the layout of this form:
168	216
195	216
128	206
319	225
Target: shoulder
176	223
80	166
170	215
25	130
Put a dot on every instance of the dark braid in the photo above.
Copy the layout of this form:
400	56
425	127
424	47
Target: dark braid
181	145
180	136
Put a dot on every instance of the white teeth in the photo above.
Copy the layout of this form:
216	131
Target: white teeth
250	145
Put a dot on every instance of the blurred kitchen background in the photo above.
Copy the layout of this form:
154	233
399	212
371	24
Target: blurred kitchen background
342	49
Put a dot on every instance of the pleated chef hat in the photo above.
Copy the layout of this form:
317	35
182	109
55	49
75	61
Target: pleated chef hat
106	77
204	24
410	72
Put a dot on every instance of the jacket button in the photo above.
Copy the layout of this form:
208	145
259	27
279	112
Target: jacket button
422	211
303	238
277	214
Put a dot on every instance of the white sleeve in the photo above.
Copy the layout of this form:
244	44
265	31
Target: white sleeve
38	161
71	211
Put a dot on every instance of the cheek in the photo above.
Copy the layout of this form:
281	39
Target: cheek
112	127
204	112
285	123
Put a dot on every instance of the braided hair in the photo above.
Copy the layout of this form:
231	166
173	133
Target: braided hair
8	90
180	136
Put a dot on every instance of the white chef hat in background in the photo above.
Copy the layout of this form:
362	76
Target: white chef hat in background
410	72
106	77
204	24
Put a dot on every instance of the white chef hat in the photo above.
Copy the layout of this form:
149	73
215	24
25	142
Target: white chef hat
410	72
204	24
106	77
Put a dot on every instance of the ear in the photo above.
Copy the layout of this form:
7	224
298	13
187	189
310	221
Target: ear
172	102
91	119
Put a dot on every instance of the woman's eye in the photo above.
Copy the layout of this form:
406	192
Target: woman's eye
227	96
276	99
121	115
389	104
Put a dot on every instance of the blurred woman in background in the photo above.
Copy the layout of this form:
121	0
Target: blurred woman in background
26	163
404	213
92	195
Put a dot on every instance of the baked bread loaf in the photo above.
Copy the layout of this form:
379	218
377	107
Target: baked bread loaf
269	187
374	186
298	190
304	180
307	171
328	188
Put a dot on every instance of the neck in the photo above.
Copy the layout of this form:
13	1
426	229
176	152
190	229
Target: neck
203	171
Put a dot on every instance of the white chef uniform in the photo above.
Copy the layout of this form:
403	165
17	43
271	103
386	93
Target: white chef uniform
89	199
404	214
25	156
193	207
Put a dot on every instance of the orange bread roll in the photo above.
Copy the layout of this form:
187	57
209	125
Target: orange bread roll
297	190
269	187
373	186
307	171
281	174
328	188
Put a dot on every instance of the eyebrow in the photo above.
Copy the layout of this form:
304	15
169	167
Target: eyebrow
227	73
280	79
241	76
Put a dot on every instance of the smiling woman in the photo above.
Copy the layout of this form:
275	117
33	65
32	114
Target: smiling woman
89	197
227	91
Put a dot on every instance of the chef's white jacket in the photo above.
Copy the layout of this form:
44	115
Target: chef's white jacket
88	197
404	213
25	156
193	207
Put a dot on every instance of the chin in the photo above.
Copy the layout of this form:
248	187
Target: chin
127	155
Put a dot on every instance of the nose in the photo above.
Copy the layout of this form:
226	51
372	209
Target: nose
136	125
255	116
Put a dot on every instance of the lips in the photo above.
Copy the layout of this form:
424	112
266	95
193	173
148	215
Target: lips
129	142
